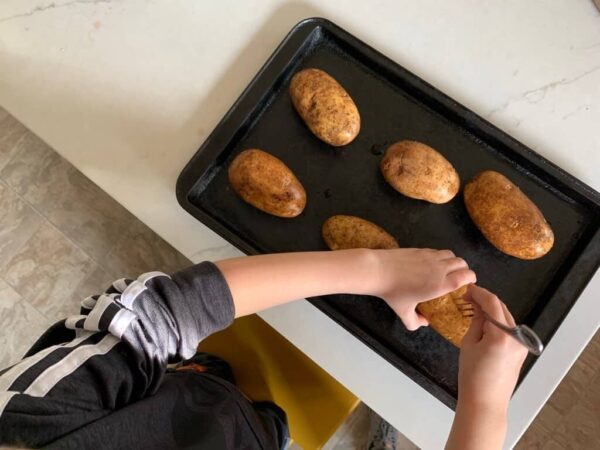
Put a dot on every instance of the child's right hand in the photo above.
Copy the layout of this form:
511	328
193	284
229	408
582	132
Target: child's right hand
489	366
490	360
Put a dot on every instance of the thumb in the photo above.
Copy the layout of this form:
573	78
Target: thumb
475	332
413	320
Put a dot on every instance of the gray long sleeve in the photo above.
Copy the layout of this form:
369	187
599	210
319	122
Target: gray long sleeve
114	353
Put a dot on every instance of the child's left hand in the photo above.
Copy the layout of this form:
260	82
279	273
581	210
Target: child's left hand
406	277
402	277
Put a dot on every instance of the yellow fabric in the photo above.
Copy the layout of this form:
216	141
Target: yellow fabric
268	367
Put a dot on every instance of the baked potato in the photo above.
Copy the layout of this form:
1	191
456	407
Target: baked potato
507	217
445	316
418	171
325	107
345	232
266	183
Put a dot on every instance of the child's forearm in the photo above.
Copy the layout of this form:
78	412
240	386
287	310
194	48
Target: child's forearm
477	427
402	277
260	282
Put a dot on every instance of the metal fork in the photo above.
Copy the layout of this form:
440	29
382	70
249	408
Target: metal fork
522	333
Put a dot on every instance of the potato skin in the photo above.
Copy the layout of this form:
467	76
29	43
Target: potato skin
445	317
507	217
266	183
345	232
418	171
325	107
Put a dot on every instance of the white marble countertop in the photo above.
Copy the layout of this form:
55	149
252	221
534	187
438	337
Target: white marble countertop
128	90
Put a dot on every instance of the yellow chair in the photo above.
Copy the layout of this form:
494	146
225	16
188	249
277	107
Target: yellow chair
267	366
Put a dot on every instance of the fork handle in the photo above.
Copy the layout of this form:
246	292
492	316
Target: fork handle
522	333
530	339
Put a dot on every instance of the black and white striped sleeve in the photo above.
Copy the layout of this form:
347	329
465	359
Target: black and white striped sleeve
113	353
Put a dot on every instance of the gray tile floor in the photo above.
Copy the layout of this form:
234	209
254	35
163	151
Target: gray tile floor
62	238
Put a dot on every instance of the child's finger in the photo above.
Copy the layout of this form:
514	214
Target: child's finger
487	301
454	264
445	254
423	320
510	320
460	278
413	321
475	331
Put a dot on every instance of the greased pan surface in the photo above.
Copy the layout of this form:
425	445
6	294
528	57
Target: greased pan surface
394	104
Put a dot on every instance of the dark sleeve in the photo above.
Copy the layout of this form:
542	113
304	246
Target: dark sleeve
122	342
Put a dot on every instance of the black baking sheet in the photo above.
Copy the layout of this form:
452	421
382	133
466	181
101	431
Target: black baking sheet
394	104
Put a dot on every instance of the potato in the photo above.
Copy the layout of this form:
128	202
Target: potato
344	232
325	107
418	171
507	217
267	183
445	317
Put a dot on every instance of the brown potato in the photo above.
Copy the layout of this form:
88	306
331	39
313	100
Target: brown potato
418	171
325	107
507	217
344	232
445	316
267	183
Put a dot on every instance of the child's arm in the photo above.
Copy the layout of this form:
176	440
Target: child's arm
490	362
402	277
114	353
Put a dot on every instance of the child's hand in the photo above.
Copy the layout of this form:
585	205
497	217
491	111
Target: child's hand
410	276
490	360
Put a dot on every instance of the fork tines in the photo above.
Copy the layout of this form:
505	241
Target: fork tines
465	308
